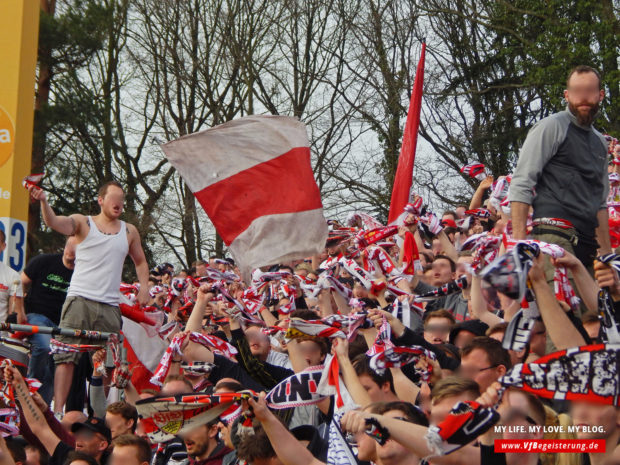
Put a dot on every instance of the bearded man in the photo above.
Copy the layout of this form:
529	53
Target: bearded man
562	174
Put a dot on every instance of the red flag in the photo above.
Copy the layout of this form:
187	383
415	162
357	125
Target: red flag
404	172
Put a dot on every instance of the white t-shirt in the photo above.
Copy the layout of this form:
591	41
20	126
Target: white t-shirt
279	359
10	284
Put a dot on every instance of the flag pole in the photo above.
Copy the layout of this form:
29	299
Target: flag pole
33	329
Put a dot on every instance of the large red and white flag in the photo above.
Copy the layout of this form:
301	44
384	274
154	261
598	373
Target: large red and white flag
253	177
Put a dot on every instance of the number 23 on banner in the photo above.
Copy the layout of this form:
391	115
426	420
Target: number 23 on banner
14	254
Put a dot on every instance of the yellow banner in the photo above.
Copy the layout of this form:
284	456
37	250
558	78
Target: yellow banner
19	33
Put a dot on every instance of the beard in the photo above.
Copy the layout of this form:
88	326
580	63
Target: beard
584	118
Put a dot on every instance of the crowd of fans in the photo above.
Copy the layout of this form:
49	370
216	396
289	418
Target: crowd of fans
423	284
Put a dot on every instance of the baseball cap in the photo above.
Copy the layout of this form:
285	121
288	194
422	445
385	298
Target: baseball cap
94	424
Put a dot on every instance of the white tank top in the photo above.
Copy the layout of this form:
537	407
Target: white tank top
99	262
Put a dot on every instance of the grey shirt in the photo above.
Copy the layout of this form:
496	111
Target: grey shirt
562	172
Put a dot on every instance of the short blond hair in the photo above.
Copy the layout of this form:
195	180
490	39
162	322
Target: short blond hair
454	386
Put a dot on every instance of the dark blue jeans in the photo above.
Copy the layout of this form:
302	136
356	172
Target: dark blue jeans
41	364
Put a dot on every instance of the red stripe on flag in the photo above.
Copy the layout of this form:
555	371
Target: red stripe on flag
140	375
284	184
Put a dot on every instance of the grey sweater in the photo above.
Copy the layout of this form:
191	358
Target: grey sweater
562	172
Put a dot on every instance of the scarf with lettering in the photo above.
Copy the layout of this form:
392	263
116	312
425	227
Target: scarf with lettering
297	390
383	339
499	193
587	373
197	368
402	310
339	451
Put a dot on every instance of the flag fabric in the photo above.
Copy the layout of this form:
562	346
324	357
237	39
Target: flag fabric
254	179
404	171
144	353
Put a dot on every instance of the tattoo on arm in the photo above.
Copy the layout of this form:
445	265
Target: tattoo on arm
73	227
27	402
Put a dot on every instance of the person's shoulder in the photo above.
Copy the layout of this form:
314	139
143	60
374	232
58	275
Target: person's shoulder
132	230
47	257
600	136
559	121
79	217
9	272
60	453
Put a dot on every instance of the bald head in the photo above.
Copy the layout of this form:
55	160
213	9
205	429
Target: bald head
72	416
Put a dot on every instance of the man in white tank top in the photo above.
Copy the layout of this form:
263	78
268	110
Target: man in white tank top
103	242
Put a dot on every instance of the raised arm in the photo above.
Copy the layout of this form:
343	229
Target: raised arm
204	296
476	200
540	146
587	287
287	448
410	436
447	246
560	329
602	231
5	456
142	269
406	390
351	381
478	305
34	417
193	351
341	303
68	225
518	213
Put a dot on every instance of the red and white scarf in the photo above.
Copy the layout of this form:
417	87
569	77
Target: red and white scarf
213	343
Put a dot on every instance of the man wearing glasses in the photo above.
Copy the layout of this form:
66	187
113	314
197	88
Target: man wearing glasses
562	174
484	360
